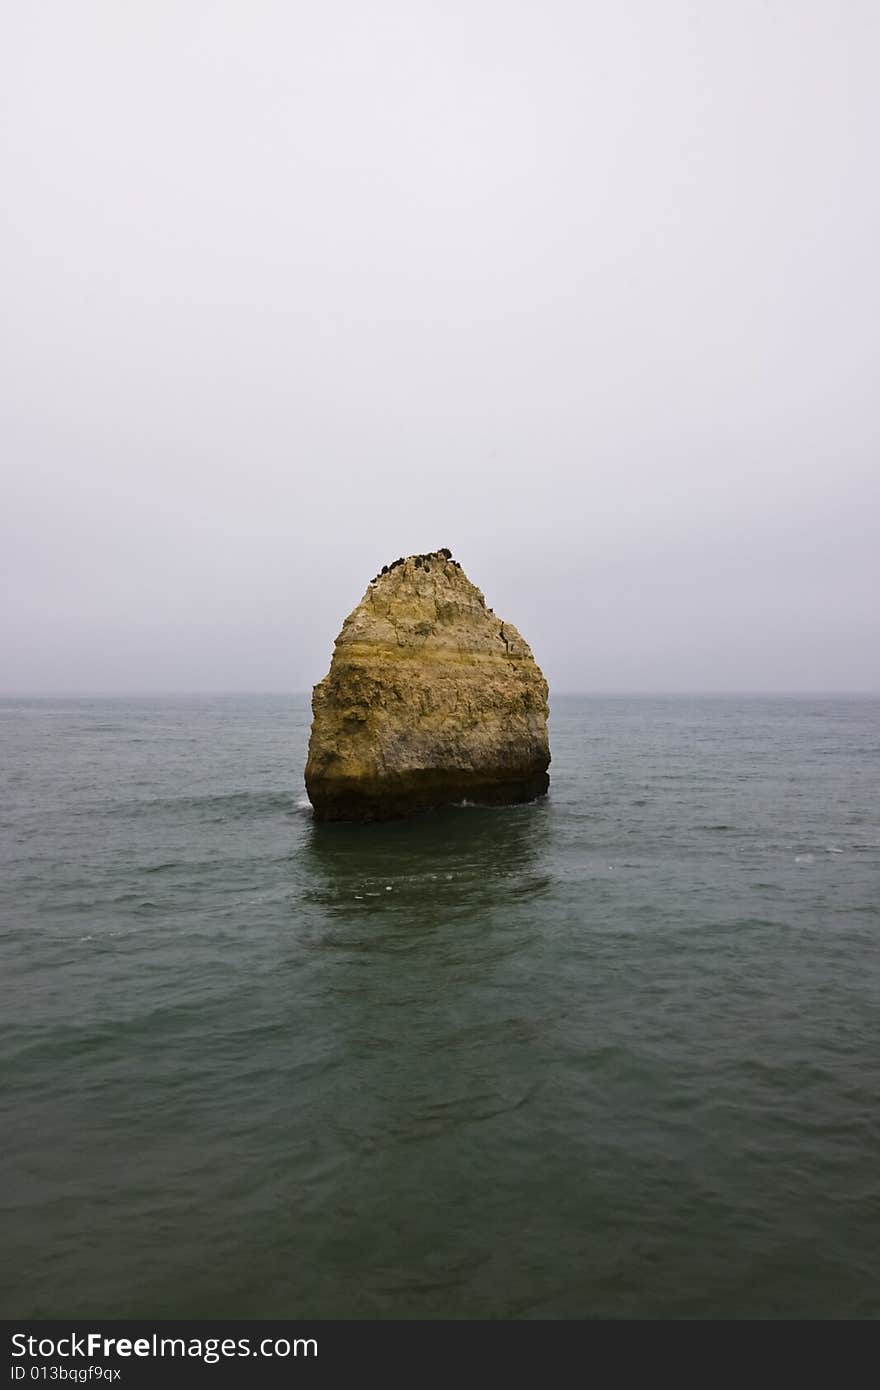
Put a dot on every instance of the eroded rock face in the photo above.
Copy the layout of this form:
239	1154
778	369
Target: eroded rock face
430	699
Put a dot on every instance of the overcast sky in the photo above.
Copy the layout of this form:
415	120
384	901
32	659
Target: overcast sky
587	291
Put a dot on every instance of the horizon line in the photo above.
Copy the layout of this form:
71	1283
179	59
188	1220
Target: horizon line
590	694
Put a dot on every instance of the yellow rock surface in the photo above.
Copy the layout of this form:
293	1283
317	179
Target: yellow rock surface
430	699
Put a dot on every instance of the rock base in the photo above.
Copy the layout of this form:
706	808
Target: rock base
394	798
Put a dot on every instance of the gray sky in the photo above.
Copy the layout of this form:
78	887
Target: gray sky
588	292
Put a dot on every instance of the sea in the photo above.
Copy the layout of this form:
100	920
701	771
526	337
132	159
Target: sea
615	1054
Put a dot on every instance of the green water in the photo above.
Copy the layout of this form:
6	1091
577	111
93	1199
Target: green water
612	1054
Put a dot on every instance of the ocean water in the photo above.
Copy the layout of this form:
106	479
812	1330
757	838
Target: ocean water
613	1054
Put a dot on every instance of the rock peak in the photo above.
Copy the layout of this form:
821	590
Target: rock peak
439	557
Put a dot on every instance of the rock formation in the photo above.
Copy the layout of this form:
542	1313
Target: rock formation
430	699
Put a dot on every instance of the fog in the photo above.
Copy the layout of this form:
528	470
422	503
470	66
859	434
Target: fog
587	292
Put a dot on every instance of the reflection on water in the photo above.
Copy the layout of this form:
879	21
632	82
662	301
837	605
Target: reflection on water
421	872
422	936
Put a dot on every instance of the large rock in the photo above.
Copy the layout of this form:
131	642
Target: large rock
430	699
